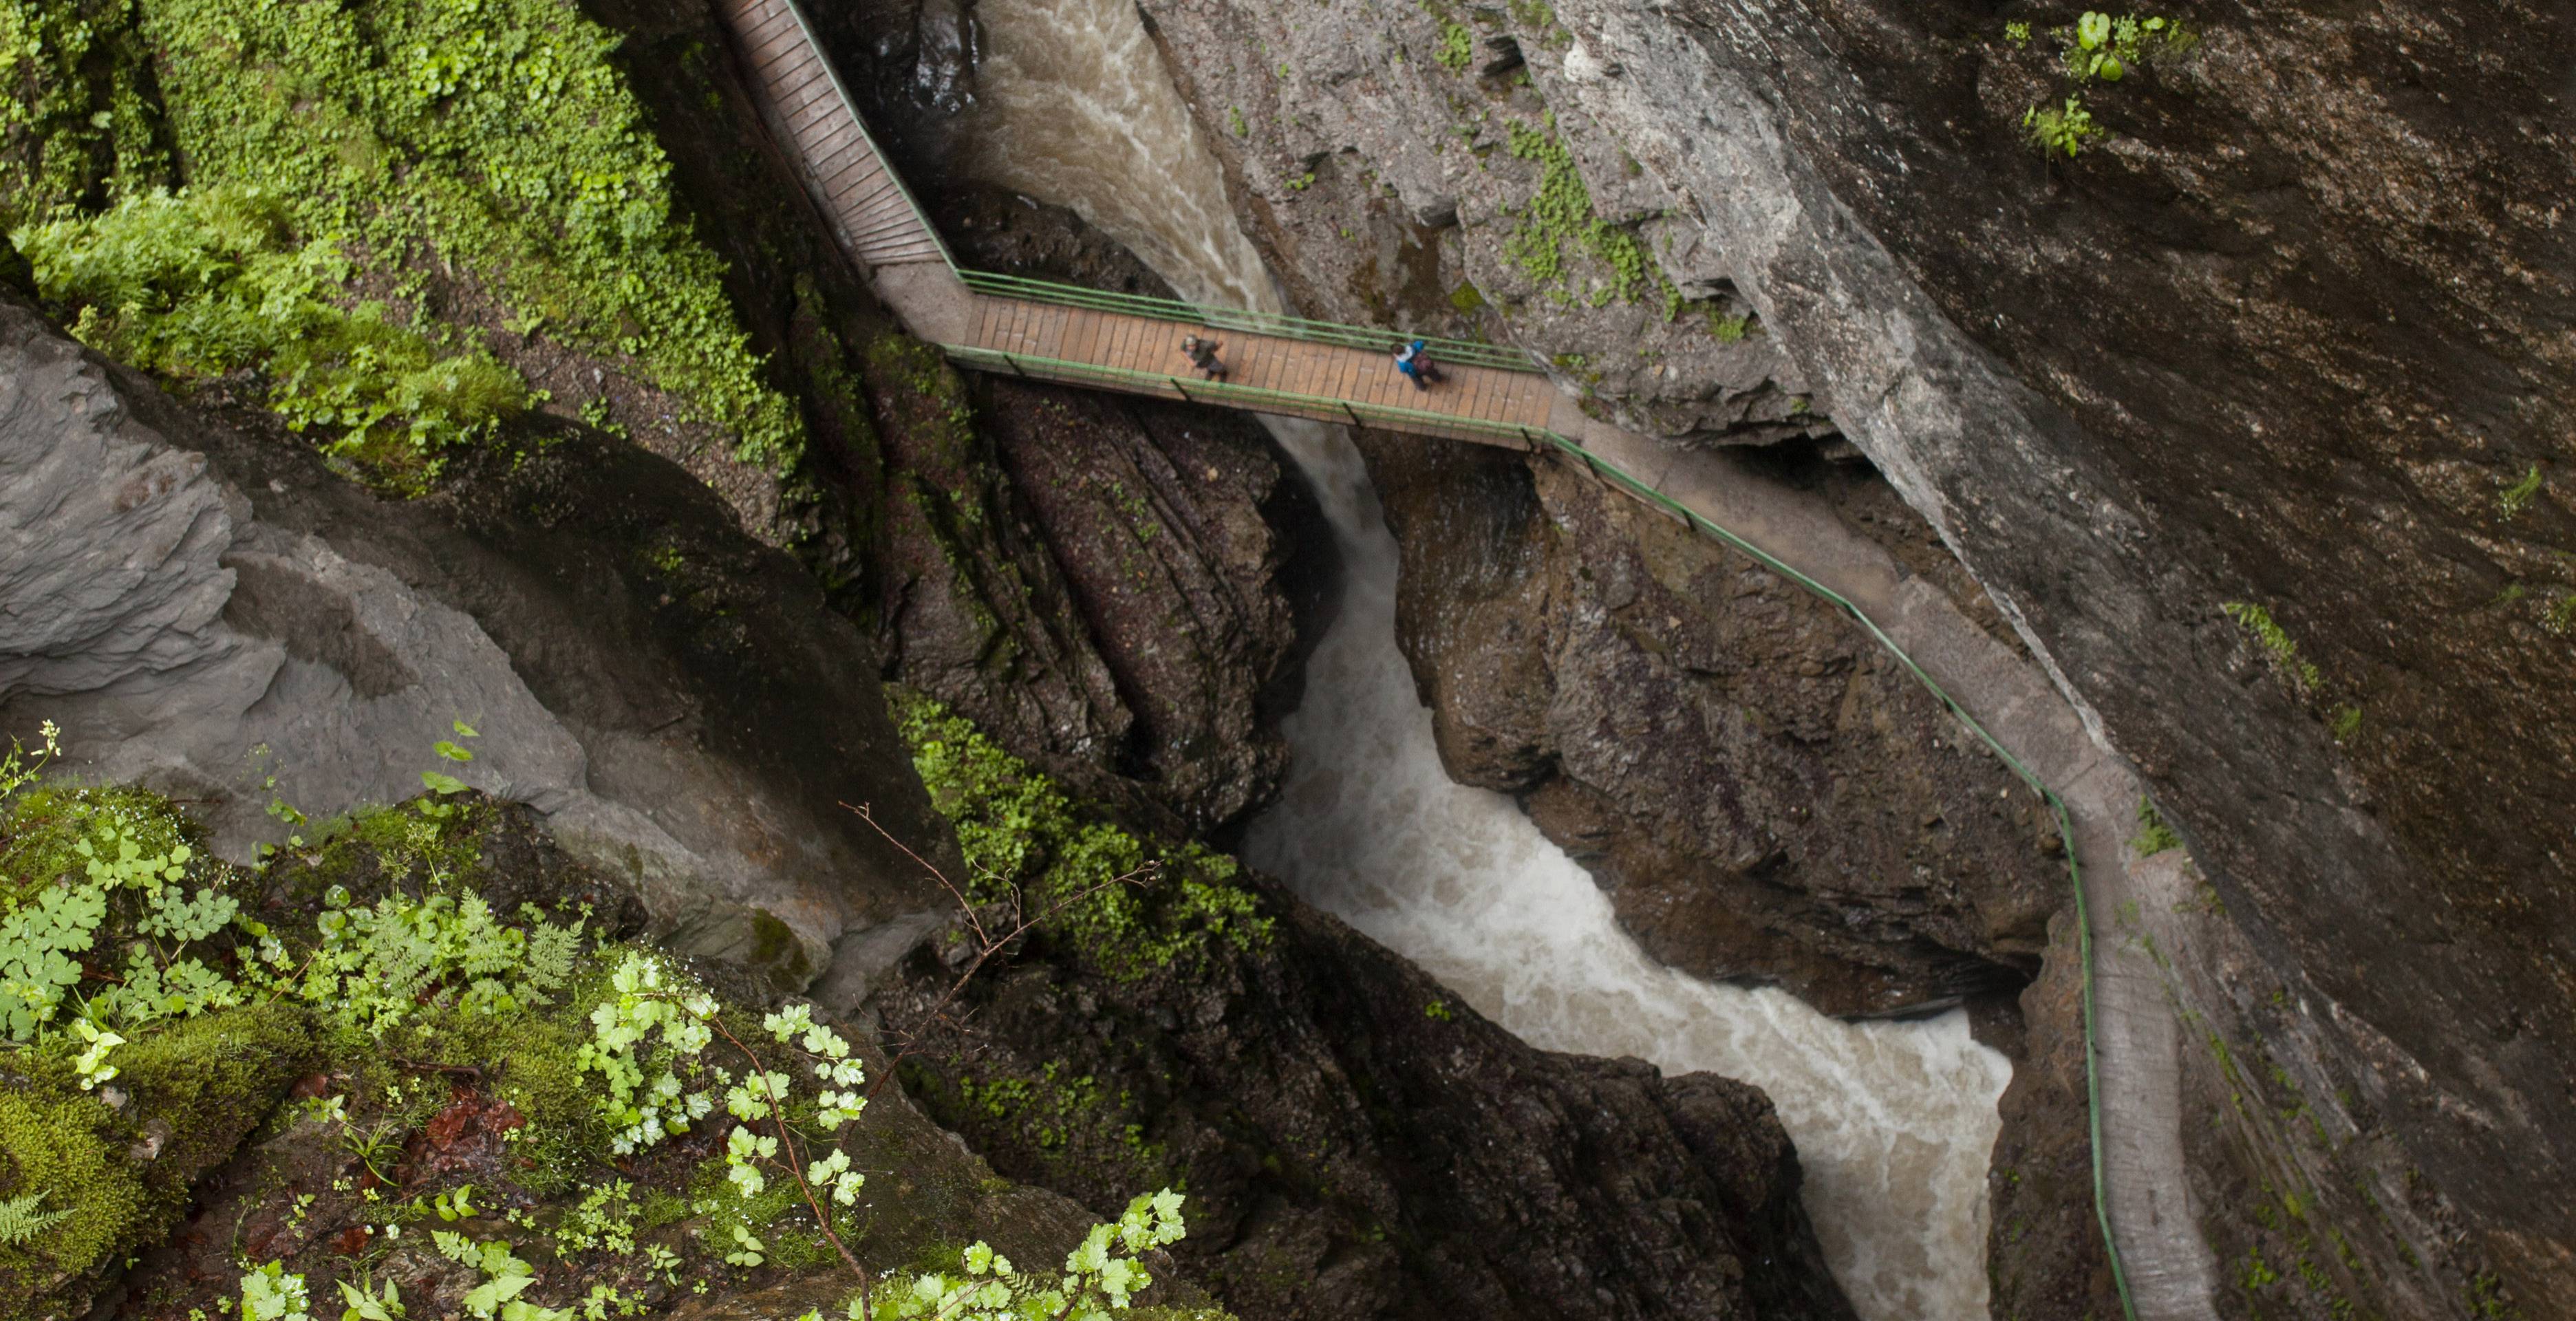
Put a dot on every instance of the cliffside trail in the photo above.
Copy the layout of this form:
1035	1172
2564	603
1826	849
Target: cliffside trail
2145	1203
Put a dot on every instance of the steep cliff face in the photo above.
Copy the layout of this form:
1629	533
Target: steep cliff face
941	507
2286	340
211	613
2270	376
1762	790
1395	172
1405	1159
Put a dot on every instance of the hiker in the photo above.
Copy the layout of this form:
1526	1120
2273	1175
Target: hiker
1202	355
1414	360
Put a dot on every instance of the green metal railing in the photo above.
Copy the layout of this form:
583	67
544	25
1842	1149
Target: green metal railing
1248	397
1470	353
1460	351
859	122
1537	438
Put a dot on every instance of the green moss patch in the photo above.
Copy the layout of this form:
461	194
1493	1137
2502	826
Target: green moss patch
120	1174
1129	907
428	157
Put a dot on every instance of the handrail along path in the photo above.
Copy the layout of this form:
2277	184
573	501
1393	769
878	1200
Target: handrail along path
1288	366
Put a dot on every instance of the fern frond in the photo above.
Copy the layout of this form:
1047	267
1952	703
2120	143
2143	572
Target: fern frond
20	1220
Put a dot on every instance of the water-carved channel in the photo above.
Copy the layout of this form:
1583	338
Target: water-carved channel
1893	1121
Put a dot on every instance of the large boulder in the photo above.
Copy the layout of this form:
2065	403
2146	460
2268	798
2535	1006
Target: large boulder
212	613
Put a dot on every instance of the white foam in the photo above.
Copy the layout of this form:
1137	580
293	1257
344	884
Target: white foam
1893	1122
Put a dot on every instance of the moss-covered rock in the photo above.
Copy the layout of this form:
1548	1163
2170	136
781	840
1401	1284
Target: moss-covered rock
120	1161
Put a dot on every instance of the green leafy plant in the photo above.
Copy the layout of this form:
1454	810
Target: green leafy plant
17	772
199	284
2518	497
376	1147
1100	1276
79	125
505	1277
2066	128
367	1303
493	143
2153	836
20	1220
1132	909
1561	213
1457	47
1234	121
455	1204
2095	48
603	1222
270	1293
658	1027
2276	642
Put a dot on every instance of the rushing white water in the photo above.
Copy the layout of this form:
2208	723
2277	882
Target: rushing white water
1893	1122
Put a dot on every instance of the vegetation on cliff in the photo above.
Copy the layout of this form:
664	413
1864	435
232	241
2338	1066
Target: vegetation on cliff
1129	907
447	170
400	1085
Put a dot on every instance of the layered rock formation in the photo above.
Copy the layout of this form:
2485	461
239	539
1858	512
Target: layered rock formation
2288	338
1763	791
1404	1157
210	613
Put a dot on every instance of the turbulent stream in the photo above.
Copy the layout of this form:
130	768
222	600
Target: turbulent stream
1893	1122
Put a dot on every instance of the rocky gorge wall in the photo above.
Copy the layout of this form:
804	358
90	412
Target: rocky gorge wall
2286	340
659	666
558	571
208	611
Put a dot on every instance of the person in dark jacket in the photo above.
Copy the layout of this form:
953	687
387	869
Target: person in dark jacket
1202	355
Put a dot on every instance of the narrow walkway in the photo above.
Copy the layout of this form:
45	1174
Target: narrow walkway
1151	346
871	213
1342	374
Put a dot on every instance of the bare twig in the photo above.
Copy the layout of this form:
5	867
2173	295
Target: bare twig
986	944
794	1161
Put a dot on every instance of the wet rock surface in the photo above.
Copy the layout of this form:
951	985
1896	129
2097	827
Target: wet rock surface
674	698
1765	793
1403	1157
2287	337
1016	603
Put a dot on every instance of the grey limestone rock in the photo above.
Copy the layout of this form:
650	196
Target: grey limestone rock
202	610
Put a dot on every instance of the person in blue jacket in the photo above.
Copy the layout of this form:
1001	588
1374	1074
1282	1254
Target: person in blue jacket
1414	360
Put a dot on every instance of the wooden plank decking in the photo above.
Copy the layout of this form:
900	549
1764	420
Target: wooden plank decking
862	199
1332	375
877	224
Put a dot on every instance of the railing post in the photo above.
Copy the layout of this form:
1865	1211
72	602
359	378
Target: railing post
1355	415
1016	368
1178	388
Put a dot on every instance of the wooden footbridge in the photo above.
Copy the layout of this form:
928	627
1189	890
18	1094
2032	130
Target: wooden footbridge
1033	328
1493	394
